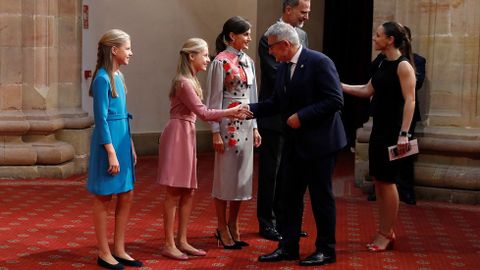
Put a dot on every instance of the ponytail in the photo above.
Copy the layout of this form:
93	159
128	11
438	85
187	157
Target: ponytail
407	47
406	50
220	43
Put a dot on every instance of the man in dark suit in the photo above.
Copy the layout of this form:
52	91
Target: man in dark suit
308	96
295	13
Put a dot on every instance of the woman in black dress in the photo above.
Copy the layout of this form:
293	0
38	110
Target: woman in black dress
393	90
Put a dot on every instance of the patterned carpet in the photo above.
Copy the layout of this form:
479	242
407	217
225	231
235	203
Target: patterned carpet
47	224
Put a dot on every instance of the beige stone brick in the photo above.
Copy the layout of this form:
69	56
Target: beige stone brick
69	8
11	65
28	28
53	32
10	27
384	9
447	78
27	65
473	9
446	102
69	63
11	97
53	7
78	138
40	65
11	6
41	32
36	7
28	7
442	21
69	95
459	21
52	99
450	50
53	67
471	47
69	31
33	97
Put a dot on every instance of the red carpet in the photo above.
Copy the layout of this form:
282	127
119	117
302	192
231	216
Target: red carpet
47	224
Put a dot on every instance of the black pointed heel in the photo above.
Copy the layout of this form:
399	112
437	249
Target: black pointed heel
238	243
220	241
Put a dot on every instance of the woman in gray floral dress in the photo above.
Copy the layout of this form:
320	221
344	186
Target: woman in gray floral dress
231	81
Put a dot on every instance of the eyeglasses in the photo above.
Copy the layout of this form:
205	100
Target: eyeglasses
273	44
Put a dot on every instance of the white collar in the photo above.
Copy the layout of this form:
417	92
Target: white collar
295	57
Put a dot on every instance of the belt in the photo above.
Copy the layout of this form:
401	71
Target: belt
113	117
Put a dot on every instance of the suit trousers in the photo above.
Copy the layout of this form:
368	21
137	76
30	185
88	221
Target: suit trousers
299	174
268	184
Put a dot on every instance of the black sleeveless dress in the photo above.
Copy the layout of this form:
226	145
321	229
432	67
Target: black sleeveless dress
387	104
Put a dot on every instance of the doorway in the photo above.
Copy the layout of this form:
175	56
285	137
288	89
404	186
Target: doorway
348	42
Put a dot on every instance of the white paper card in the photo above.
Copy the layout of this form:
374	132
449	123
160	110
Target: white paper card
413	149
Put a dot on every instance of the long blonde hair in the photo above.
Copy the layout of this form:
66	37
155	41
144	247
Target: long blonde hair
113	37
184	69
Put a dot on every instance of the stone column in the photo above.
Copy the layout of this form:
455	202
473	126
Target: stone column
43	130
447	34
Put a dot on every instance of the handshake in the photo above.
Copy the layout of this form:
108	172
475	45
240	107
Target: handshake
240	111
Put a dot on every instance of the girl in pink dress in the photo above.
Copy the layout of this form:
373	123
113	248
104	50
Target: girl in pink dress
177	162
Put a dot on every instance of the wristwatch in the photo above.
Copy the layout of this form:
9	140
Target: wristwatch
404	134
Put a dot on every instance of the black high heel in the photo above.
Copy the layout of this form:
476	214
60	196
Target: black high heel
220	241
238	243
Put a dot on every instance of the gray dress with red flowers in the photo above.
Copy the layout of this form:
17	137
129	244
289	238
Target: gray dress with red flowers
231	81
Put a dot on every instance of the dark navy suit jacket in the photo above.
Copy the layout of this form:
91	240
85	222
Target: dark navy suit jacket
315	94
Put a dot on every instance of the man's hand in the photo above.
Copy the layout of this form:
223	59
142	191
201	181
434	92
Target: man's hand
293	121
257	139
241	112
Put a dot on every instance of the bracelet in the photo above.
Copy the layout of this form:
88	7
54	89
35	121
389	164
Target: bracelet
404	134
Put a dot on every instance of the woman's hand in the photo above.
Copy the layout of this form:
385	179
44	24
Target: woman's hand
402	145
241	112
134	153
113	165
257	139
218	143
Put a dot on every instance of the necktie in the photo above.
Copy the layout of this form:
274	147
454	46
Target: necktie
287	73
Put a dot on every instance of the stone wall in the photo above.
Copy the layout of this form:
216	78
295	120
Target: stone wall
43	130
447	34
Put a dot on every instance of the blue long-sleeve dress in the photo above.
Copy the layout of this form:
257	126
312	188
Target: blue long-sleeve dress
111	126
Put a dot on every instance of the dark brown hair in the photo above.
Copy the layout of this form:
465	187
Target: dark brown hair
401	39
236	25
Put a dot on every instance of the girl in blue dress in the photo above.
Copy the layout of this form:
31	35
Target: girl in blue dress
112	153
